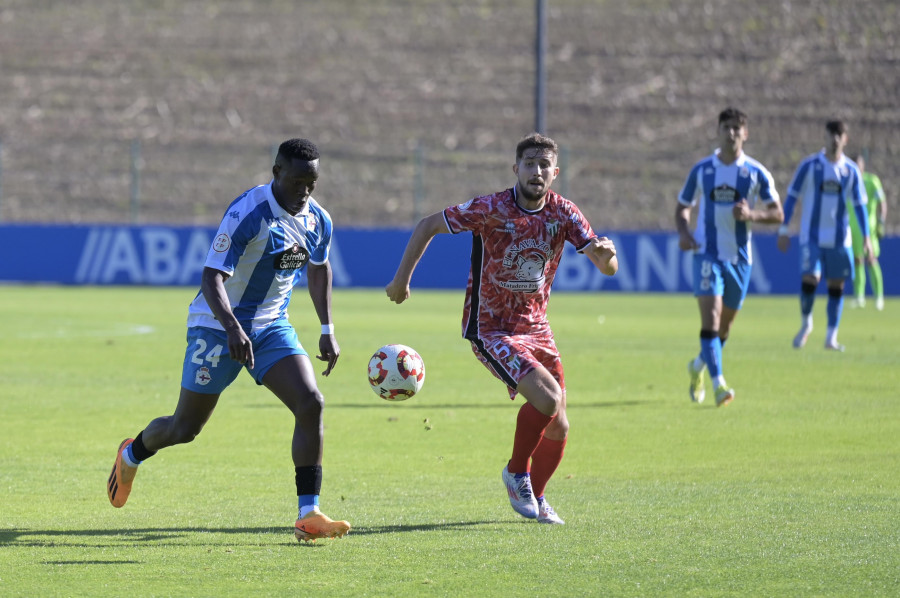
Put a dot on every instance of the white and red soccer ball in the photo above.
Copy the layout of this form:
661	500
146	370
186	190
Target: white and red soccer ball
396	372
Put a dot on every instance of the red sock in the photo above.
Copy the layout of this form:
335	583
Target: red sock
530	426
547	457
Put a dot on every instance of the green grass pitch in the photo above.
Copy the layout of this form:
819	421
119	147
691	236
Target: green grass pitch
793	490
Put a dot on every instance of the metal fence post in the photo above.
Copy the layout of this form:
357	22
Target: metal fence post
135	180
1	180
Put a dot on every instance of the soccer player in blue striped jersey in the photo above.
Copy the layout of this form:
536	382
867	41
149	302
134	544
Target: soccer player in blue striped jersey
268	236
826	183
731	190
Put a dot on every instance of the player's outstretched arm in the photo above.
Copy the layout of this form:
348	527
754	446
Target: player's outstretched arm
602	252
398	289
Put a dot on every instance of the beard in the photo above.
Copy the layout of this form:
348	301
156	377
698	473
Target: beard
529	194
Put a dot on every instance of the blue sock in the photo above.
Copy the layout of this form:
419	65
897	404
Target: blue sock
711	350
307	502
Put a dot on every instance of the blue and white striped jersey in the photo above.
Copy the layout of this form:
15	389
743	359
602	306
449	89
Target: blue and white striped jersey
717	187
264	249
826	189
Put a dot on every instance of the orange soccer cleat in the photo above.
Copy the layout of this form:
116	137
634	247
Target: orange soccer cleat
724	396
317	525
118	487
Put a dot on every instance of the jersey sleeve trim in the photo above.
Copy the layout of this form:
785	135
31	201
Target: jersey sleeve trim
689	190
583	247
447	222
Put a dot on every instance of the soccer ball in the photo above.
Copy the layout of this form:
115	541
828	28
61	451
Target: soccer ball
396	372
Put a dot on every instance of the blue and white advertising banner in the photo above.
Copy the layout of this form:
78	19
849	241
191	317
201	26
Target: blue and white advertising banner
170	255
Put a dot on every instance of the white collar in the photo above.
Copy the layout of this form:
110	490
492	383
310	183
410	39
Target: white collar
739	161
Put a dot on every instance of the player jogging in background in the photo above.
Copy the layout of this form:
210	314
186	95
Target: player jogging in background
518	236
731	190
239	320
876	208
827	184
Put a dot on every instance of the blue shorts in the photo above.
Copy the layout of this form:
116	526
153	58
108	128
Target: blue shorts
830	262
715	277
209	369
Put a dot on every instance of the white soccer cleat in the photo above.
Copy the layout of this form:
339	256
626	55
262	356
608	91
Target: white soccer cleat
521	497
879	303
834	346
546	514
802	337
697	389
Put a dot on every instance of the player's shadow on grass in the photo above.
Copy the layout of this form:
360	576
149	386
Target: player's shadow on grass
499	405
422	527
175	535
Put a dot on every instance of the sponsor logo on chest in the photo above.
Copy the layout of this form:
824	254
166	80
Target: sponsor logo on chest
724	194
293	258
831	187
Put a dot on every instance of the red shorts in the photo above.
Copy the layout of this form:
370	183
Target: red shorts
511	358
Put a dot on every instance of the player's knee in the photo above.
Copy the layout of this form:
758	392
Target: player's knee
836	292
182	432
309	405
559	427
807	287
551	401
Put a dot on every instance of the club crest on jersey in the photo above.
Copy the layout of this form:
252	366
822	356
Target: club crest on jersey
222	243
724	194
293	258
831	187
552	227
202	377
311	222
744	172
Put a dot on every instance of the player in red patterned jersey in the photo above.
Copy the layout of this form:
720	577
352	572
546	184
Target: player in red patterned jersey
517	241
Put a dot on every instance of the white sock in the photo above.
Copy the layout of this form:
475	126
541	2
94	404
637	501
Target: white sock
831	336
127	458
699	364
807	321
719	381
306	509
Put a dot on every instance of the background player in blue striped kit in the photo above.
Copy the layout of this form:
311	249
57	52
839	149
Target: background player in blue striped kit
726	187
827	183
239	319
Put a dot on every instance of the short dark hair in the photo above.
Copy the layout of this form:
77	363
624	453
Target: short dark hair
732	113
535	140
836	127
299	149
